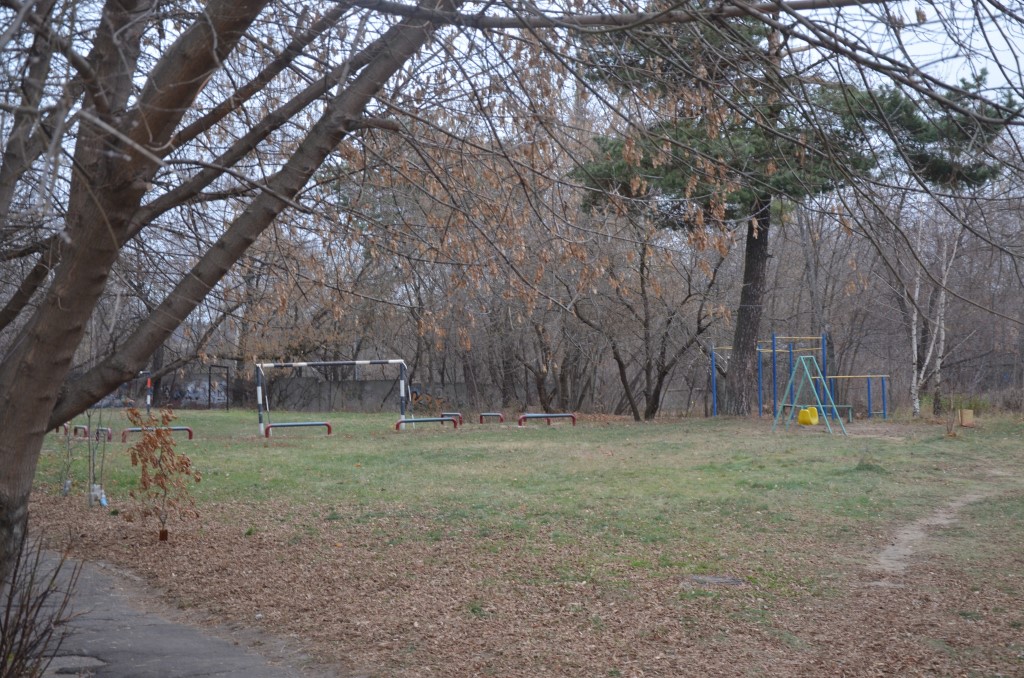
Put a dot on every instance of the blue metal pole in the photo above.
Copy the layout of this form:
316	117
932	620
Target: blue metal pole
885	408
824	368
869	398
760	386
714	384
775	382
832	392
792	389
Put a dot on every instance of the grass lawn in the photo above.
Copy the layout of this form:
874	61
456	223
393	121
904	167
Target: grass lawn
610	548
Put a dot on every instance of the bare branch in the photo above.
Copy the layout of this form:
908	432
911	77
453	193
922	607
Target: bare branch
537	19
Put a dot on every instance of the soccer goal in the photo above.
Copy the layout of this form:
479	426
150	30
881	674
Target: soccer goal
263	403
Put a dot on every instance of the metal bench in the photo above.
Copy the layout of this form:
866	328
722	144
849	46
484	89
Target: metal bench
401	422
549	416
296	424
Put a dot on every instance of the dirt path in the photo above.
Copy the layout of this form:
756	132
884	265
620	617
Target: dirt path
906	613
893	559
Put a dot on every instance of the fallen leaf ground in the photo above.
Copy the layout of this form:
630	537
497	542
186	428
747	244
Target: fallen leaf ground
379	598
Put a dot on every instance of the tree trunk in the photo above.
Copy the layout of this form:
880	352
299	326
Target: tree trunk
40	360
156	364
469	377
938	408
627	385
740	389
508	379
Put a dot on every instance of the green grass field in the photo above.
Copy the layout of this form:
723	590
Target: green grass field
616	482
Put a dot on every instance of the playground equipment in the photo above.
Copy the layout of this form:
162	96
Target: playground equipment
294	424
149	389
453	419
788	349
492	415
263	403
868	378
82	431
808	416
808	376
548	416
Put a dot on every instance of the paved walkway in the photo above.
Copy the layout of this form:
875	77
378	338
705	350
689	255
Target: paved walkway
119	631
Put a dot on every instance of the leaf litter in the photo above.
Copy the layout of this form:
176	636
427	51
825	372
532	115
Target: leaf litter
394	596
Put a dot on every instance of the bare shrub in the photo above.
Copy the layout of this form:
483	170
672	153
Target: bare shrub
36	603
164	474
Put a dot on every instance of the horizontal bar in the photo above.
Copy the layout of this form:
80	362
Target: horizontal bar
136	429
549	417
82	428
454	415
453	420
332	363
499	415
294	424
858	376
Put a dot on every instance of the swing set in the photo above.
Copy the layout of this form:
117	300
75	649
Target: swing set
790	351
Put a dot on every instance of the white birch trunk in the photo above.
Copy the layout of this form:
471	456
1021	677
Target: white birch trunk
915	380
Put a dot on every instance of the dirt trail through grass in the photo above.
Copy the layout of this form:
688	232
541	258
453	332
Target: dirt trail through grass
893	559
